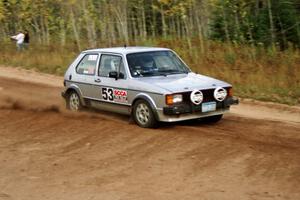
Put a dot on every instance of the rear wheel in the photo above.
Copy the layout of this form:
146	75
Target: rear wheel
73	102
213	119
143	114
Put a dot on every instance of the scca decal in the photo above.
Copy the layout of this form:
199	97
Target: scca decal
115	95
120	93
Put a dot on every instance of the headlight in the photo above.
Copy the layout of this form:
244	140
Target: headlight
220	94
196	97
173	98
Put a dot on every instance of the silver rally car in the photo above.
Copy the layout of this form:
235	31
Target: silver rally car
150	84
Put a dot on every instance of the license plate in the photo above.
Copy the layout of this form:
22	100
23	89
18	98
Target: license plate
209	106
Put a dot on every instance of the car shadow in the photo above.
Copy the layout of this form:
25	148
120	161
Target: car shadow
161	125
187	123
109	115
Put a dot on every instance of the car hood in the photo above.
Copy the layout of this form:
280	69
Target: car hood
183	82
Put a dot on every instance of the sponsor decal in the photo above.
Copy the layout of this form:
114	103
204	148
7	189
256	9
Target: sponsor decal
120	96
114	95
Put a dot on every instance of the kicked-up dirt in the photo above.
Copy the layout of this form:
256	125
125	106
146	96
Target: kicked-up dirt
47	152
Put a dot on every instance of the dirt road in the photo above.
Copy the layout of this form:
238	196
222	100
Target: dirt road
49	153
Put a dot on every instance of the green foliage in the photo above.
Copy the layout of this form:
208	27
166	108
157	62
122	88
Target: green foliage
94	21
244	21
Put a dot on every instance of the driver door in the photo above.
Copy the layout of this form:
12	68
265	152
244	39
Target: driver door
111	89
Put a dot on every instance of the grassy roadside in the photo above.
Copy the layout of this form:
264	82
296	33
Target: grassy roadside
256	73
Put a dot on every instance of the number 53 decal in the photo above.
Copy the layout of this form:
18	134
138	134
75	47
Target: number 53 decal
108	94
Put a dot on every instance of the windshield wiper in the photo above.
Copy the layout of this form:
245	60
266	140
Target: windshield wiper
174	72
153	74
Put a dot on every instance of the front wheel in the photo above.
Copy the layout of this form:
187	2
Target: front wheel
73	102
143	115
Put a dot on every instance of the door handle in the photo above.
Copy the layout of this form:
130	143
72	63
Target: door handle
97	80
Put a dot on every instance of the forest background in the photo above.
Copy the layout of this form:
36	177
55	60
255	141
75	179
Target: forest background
253	44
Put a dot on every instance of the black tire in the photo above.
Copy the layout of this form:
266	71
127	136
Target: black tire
143	115
212	119
73	102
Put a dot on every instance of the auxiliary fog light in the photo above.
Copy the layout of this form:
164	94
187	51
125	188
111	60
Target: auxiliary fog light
220	94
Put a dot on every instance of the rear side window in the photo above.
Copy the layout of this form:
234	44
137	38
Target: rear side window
88	64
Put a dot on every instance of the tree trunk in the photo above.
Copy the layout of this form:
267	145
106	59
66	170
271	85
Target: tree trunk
163	22
47	34
37	30
133	27
283	35
225	24
62	32
153	24
237	27
89	25
199	29
121	15
272	30
75	30
144	30
187	34
178	27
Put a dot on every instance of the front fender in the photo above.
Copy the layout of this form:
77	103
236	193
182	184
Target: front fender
149	100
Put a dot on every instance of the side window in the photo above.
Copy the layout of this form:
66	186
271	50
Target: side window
88	64
111	63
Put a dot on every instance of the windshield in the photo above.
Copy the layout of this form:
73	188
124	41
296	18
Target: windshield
156	63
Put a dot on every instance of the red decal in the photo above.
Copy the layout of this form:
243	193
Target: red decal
120	93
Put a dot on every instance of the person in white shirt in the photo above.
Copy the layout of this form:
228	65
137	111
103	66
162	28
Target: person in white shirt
19	40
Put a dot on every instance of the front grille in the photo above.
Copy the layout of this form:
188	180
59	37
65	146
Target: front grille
187	106
208	95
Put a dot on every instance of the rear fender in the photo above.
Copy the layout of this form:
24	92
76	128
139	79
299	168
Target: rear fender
75	88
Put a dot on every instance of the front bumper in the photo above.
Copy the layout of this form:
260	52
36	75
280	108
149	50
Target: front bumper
182	112
231	101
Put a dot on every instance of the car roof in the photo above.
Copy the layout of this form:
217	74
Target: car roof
126	50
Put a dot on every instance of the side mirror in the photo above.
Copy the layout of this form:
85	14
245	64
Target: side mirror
121	75
113	74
